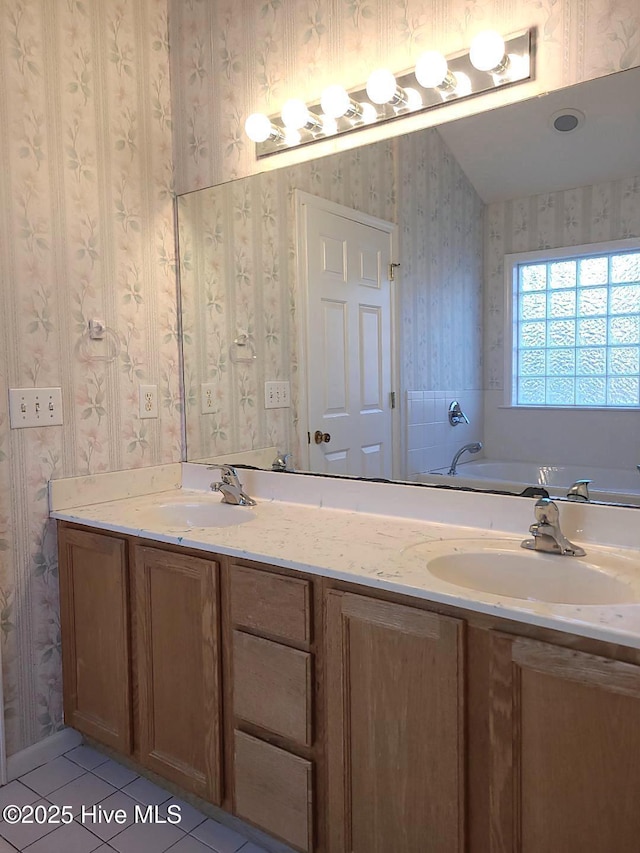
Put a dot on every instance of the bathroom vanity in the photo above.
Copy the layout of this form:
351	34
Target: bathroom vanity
301	670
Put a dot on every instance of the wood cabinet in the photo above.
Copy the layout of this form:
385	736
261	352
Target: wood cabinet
95	629
178	669
395	738
112	590
565	749
340	719
272	700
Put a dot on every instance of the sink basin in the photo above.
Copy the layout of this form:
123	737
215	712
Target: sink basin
196	513
502	567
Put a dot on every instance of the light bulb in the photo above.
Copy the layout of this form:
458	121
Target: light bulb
431	69
258	127
335	101
329	125
518	66
413	98
292	136
487	51
382	86
463	84
295	113
369	113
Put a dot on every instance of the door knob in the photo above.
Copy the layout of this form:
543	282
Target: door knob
320	436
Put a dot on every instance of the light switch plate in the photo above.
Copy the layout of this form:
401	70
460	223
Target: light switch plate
35	407
277	395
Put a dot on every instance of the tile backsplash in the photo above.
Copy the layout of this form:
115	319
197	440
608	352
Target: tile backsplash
431	441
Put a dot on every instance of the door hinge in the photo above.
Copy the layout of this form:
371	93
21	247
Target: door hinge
392	399
392	271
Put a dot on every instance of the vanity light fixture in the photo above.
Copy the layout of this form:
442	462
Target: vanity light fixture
492	62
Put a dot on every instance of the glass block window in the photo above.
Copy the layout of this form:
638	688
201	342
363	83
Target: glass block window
576	330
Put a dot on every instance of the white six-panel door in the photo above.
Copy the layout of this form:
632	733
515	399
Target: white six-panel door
349	341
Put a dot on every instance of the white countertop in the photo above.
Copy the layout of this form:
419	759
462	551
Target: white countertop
374	543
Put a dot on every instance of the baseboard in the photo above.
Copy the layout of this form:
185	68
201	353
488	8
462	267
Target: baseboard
33	756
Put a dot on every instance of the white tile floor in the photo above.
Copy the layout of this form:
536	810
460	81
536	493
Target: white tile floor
84	777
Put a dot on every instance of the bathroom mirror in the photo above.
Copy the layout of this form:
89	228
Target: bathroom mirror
458	198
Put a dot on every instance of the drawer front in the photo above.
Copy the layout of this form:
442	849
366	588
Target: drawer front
272	687
274	790
271	604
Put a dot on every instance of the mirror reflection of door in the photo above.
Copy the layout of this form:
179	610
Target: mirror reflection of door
346	263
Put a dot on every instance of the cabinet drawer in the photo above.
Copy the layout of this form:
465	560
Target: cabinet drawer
271	604
274	790
272	686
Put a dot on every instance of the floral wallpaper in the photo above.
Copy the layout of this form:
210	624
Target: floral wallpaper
238	275
86	231
234	57
589	214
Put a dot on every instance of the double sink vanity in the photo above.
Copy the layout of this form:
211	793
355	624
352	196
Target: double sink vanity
359	666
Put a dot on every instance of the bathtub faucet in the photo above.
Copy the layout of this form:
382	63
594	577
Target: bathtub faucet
474	447
579	491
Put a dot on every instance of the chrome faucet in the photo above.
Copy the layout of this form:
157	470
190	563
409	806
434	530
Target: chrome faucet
456	415
579	491
230	486
547	536
474	447
281	462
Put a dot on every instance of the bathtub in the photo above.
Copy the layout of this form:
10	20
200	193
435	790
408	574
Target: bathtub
608	484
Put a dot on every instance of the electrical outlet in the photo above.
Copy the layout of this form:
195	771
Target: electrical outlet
148	401
207	399
277	395
35	407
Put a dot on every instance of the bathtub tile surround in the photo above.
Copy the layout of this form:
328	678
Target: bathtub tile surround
86	231
431	441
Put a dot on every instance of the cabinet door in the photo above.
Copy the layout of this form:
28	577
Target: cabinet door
395	732
178	669
565	746
94	617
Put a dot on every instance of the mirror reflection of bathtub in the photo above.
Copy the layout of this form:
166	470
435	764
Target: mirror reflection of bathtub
607	484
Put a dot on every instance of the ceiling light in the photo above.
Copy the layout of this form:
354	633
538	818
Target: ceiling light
567	120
